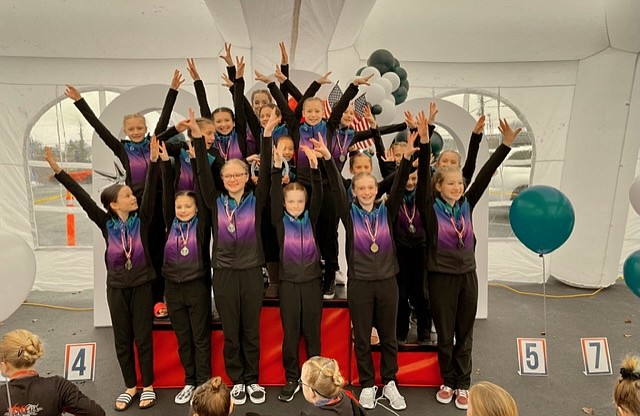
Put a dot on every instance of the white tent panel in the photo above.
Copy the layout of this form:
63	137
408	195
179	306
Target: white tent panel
467	31
623	17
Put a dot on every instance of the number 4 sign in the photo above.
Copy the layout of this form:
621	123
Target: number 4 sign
595	353
79	361
532	356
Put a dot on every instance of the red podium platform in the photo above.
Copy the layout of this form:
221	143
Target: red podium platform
418	365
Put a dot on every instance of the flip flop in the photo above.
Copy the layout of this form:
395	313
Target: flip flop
148	396
160	310
125	398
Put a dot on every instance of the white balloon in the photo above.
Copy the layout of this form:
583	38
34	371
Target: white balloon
17	273
370	70
394	78
388	112
386	84
634	194
376	94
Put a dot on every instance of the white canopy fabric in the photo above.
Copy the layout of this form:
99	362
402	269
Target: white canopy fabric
571	68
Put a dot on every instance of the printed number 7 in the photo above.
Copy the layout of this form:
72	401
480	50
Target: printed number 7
597	347
531	356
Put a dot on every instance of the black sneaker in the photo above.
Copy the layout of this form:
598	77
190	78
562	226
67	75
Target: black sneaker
329	290
288	391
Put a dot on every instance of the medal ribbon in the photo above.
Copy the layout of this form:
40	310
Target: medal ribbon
342	145
184	236
226	210
460	231
372	234
406	212
128	246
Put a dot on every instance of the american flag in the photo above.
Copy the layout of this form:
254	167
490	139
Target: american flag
363	145
359	122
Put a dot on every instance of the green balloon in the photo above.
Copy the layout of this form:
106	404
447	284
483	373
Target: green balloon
402	73
359	71
381	57
542	218
437	143
631	272
400	95
396	63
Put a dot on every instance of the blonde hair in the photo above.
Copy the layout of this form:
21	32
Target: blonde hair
626	392
294	186
455	152
134	115
323	376
356	155
398	144
488	399
309	100
21	348
441	172
212	398
236	162
201	122
363	175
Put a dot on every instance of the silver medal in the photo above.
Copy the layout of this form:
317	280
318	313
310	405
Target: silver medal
184	251
231	228
128	265
343	158
412	228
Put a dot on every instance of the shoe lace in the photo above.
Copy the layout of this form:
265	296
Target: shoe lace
237	389
462	393
257	387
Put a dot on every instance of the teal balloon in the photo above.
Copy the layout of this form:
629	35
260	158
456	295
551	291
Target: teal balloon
400	95
376	109
360	71
404	83
542	218
437	143
402	73
396	63
381	59
631	272
400	137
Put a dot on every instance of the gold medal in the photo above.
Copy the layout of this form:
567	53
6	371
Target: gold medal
184	251
412	229
374	248
343	158
128	265
231	228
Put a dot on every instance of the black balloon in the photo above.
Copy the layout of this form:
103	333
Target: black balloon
396	63
402	73
404	83
381	59
400	95
360	71
400	137
376	109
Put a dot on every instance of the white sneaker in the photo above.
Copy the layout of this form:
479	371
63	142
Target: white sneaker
368	397
390	391
341	278
238	394
184	396
257	393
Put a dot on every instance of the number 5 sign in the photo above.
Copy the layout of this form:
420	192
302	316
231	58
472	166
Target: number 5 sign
595	353
532	356
79	361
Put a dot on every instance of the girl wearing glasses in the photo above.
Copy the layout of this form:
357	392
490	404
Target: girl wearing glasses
237	259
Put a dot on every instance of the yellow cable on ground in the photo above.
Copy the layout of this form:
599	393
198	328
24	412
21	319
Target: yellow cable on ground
64	308
519	292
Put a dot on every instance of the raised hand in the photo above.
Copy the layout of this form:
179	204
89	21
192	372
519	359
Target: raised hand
51	160
411	122
362	80
311	155
479	128
227	54
388	156
324	79
192	125
508	134
72	93
423	127
277	157
274	120
227	81
284	57
433	111
410	149
190	149
368	115
262	77
320	147
193	71
239	67
280	77
154	149
177	80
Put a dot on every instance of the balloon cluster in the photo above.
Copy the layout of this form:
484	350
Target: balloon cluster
389	85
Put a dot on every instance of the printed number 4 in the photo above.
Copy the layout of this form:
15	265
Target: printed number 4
531	356
78	363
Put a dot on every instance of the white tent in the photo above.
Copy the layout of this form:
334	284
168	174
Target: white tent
570	69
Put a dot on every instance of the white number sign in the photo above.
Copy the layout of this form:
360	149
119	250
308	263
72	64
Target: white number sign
79	361
595	353
532	356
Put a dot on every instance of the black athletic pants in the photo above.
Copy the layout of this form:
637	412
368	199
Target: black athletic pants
454	301
301	314
411	290
369	300
131	311
238	296
189	306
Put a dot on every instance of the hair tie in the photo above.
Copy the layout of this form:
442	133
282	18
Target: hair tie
20	352
629	375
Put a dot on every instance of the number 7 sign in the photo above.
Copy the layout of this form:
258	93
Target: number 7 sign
532	356
79	361
595	353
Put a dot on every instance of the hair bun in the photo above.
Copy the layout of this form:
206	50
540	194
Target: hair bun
629	375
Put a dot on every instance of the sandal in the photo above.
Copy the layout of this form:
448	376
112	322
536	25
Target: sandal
125	398
147	395
160	310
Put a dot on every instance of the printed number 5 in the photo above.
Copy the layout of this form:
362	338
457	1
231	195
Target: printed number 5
531	356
